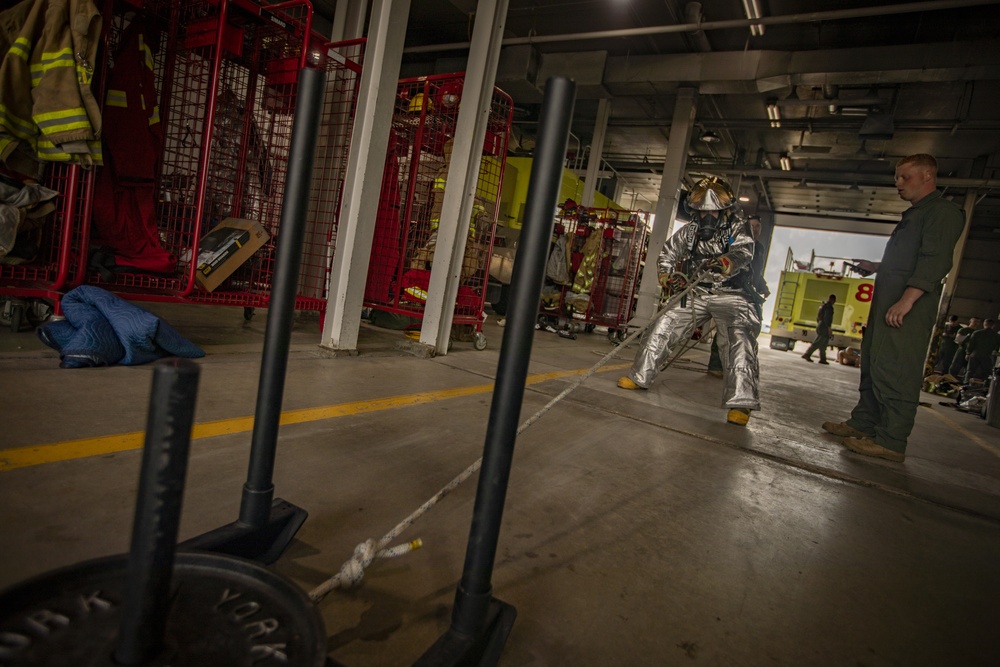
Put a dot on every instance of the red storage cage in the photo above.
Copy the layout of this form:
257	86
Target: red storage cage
226	73
47	259
613	295
593	271
413	181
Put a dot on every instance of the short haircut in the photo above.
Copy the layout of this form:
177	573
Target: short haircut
989	322
833	296
921	160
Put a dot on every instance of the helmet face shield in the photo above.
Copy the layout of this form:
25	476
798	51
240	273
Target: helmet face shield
710	194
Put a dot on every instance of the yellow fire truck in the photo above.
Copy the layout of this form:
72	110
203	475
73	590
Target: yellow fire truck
803	286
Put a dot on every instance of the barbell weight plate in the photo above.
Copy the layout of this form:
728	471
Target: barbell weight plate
223	611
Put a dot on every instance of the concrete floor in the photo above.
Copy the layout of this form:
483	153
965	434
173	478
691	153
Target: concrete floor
640	528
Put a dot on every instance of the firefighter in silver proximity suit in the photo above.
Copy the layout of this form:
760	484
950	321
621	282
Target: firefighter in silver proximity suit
717	240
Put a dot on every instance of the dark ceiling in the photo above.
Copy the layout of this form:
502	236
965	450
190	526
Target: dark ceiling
853	92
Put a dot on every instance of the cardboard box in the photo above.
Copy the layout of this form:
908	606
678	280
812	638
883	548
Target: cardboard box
225	249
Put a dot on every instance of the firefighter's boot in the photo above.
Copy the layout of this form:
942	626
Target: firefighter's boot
625	382
738	416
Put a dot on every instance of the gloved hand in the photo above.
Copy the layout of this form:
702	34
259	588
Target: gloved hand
672	282
721	264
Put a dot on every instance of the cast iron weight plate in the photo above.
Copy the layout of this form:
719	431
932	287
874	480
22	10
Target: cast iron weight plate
224	612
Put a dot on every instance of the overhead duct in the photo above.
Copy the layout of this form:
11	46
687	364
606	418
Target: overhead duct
877	126
517	73
586	68
693	14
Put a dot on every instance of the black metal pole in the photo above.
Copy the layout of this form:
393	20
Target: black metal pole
474	591
258	492
157	511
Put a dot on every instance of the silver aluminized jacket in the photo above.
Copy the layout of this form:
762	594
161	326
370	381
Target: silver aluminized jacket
717	297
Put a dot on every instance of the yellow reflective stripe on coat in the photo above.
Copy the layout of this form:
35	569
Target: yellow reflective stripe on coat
19	127
116	98
155	118
63	121
5	142
47	150
21	48
51	61
149	54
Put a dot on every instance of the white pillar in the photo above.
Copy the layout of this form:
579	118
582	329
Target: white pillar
956	262
666	203
463	171
596	154
363	182
348	20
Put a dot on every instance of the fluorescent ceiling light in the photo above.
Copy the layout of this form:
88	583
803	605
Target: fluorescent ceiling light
786	164
774	114
752	10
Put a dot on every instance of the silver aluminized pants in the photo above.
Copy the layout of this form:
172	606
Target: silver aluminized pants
736	321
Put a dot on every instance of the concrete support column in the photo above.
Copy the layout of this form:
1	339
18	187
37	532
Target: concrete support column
596	152
331	153
348	20
463	174
363	182
948	292
666	203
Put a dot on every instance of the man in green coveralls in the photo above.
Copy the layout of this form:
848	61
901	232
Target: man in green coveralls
904	308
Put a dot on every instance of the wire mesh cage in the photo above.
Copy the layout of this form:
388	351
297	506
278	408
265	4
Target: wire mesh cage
226	72
594	268
46	257
413	183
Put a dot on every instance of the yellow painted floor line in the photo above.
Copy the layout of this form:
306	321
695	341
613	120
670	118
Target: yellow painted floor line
22	457
992	449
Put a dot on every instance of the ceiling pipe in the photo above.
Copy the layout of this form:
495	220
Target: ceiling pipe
693	14
808	17
855	177
814	124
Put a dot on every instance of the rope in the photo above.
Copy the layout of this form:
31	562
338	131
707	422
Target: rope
353	570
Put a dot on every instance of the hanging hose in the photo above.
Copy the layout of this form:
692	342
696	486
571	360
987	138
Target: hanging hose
353	570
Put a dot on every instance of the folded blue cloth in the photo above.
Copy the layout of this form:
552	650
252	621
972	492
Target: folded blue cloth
102	329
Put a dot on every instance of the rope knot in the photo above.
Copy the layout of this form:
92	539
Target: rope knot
353	569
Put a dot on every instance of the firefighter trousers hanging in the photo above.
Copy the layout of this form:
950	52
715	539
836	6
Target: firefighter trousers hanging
124	212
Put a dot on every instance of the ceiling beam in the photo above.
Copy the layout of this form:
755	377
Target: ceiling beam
834	224
808	17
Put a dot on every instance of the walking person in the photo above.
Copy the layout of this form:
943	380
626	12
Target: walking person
907	290
947	345
982	349
824	324
958	362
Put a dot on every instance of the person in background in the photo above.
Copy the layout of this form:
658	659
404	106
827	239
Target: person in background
947	346
907	290
958	362
824	324
981	348
717	249
757	290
